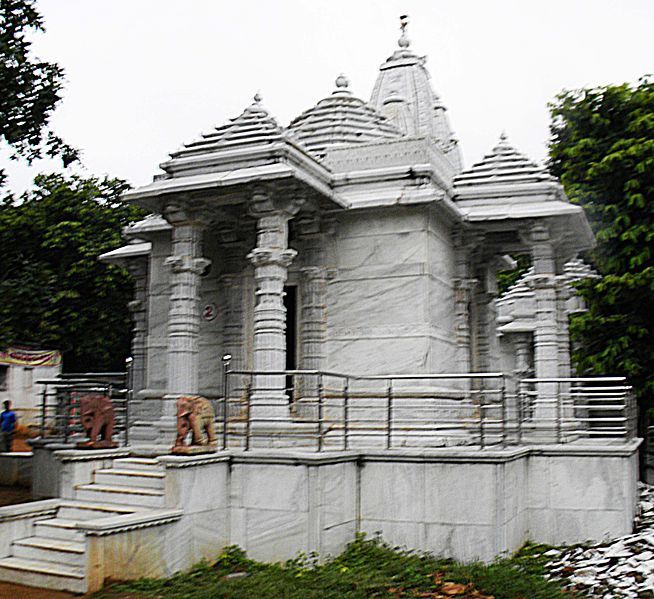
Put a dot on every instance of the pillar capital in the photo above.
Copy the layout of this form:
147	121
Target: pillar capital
264	202
135	306
542	281
180	213
182	264
539	233
271	257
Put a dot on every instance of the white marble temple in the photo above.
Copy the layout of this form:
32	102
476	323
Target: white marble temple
375	198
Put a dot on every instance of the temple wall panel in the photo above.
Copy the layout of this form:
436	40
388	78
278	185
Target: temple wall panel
388	306
440	294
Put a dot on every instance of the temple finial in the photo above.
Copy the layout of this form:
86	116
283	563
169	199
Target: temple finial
257	98
503	137
342	82
403	42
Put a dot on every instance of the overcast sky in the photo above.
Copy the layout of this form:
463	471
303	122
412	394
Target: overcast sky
144	76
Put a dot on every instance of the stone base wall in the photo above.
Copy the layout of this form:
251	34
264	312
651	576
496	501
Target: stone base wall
459	503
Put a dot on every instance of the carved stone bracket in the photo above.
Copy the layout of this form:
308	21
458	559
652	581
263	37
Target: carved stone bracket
182	264
263	203
271	257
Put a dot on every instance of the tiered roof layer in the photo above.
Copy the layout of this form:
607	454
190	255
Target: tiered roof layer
338	119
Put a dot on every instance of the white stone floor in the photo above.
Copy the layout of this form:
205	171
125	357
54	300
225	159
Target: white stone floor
622	567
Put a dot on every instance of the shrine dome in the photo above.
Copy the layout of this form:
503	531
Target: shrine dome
339	119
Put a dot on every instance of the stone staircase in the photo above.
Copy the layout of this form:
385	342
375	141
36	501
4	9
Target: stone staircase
131	481
54	557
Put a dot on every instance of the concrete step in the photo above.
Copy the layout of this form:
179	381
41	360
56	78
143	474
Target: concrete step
44	575
78	510
115	477
148	464
120	495
68	553
59	528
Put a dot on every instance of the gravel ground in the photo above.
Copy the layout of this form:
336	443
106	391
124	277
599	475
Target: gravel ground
622	567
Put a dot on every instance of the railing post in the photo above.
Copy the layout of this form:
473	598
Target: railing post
519	408
320	400
482	443
503	410
226	363
559	413
248	389
346	412
44	400
389	414
129	362
67	403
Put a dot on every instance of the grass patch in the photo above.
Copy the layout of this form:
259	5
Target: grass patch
366	568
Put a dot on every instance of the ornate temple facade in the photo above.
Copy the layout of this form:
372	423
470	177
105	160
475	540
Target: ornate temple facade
352	240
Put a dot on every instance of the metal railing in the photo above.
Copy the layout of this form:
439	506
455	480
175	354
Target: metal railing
336	411
574	408
321	410
60	401
339	411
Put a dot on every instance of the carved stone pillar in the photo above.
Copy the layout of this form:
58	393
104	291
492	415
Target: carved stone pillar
523	355
271	259
543	281
463	295
563	294
138	268
186	265
546	341
233	323
465	288
487	344
313	318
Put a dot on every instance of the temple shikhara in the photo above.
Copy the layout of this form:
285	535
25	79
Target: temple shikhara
321	349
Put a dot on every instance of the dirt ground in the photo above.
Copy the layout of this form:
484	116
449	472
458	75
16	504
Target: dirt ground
18	591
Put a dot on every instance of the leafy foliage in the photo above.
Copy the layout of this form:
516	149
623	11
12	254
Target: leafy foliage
602	148
31	88
366	568
53	290
507	278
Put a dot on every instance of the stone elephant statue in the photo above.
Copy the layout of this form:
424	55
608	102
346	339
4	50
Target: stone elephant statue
96	414
195	415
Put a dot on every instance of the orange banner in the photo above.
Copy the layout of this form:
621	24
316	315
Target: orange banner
30	357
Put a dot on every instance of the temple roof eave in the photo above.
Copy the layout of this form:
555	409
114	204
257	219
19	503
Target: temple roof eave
152	195
136	249
230	158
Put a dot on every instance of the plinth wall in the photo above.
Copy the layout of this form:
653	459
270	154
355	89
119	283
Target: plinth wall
461	503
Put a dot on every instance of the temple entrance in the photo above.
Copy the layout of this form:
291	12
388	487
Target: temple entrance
290	303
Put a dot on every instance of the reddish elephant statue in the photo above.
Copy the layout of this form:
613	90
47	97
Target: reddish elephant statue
96	414
195	415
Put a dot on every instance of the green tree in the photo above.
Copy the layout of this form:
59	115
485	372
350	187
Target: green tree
31	88
602	148
53	290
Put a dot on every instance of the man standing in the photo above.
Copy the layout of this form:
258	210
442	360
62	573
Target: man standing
7	427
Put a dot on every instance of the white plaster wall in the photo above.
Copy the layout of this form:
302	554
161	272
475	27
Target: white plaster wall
385	306
577	497
441	260
24	392
465	504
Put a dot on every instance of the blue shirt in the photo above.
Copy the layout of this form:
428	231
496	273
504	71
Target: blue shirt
7	421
